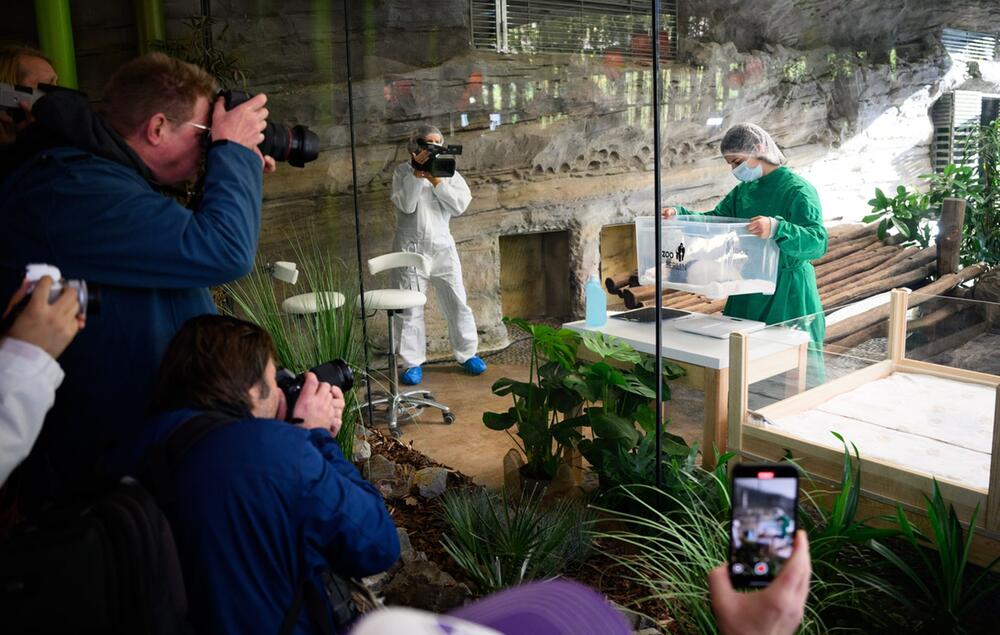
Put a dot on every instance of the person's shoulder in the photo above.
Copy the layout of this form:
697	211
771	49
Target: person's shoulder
794	181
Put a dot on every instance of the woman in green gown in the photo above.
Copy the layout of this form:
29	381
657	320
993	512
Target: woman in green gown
782	205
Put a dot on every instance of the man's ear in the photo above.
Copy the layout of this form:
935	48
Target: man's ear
155	128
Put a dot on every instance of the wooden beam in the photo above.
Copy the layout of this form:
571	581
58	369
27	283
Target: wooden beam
847	247
716	423
877	314
897	324
738	391
949	238
993	494
856	291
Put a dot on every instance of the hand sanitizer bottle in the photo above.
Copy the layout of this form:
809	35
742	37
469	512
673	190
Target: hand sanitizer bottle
597	303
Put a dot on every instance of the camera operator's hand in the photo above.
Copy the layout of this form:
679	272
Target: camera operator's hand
50	327
320	405
244	124
422	157
777	610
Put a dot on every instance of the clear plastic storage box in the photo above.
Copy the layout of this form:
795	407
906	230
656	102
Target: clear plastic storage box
708	255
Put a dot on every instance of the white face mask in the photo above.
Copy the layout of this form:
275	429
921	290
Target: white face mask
745	173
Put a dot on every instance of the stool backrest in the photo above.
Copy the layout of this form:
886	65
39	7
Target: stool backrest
398	259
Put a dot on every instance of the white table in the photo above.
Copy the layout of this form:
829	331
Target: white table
706	362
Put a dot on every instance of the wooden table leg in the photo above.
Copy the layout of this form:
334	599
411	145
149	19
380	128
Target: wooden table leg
715	428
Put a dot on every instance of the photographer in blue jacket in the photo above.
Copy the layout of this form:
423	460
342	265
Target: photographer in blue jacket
262	505
96	196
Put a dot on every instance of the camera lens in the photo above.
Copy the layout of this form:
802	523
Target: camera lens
336	373
297	145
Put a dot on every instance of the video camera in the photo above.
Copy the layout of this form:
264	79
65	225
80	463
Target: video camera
296	144
436	164
12	96
336	373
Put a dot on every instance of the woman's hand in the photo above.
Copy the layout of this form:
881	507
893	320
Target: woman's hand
763	226
669	212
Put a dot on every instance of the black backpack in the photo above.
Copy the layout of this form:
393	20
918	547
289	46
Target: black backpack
104	565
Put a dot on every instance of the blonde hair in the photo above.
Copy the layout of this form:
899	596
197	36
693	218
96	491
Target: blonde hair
151	84
10	61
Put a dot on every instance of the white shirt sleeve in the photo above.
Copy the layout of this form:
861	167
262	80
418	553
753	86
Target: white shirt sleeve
28	381
453	194
406	188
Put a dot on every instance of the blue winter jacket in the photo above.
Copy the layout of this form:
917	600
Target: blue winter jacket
258	500
152	259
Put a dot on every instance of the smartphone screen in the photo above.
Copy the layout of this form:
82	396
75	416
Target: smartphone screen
764	499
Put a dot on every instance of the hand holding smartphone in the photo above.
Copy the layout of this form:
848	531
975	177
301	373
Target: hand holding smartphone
764	502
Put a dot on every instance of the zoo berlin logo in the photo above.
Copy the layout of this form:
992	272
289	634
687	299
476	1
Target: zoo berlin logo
674	259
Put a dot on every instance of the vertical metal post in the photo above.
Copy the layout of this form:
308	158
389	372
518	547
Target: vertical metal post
357	210
150	23
55	37
657	224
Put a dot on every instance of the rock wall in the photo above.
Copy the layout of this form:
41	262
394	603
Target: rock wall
845	88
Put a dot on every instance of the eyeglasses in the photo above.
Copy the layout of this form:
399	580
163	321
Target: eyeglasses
207	129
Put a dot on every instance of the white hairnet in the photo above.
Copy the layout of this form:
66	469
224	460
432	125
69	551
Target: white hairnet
422	132
752	140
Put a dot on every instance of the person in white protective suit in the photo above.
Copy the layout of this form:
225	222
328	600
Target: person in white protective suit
424	205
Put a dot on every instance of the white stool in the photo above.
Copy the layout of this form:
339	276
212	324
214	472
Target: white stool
309	303
392	301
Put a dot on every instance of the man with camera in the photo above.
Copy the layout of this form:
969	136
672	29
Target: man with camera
94	195
425	203
268	513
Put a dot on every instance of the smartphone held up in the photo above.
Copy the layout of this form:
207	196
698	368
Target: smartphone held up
764	501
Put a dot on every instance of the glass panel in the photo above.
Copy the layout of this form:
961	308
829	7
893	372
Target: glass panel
953	332
551	111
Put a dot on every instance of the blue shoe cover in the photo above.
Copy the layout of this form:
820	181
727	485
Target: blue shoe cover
412	376
474	365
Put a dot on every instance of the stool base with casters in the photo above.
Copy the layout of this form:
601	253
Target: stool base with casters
394	301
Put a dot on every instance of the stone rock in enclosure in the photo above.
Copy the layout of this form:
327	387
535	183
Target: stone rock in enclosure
362	450
406	551
431	482
423	585
380	468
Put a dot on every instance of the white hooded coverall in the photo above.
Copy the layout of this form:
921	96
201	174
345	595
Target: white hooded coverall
422	226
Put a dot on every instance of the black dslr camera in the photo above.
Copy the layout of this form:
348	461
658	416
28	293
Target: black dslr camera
436	164
336	373
296	144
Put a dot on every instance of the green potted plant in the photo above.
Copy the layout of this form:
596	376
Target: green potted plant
541	404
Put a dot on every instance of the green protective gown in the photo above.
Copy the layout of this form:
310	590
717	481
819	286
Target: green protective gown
800	237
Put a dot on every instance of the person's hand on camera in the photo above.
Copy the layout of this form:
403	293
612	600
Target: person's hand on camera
669	212
270	165
244	124
50	327
422	158
319	405
763	226
777	610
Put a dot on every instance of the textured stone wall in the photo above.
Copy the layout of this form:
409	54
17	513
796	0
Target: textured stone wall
845	88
